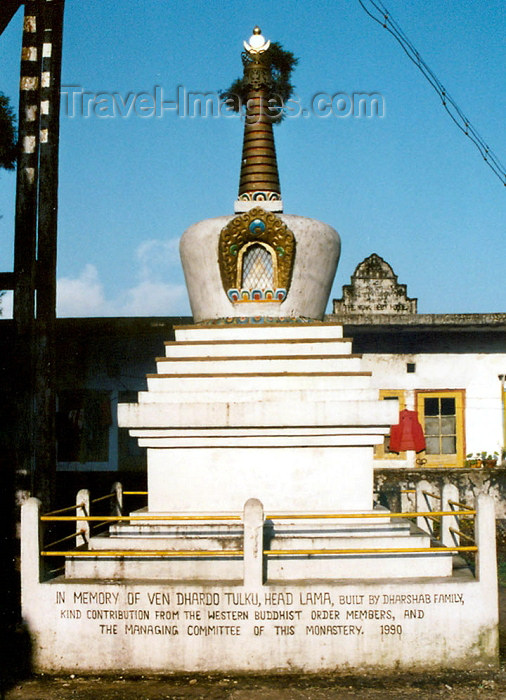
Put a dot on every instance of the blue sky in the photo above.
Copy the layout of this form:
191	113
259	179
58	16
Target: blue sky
408	186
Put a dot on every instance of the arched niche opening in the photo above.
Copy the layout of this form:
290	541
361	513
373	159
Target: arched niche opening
257	266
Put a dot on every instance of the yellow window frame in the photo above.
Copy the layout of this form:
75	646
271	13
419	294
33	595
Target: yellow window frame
444	460
503	399
379	450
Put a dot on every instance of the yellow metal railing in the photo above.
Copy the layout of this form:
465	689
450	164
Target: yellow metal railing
214	553
64	510
431	515
280	516
459	505
107	497
456	532
55	517
461	534
432	495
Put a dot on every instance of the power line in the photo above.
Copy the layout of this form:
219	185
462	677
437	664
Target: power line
386	20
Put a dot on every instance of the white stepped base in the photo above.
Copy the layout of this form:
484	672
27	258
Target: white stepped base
279	535
259	331
266	346
285	568
282	412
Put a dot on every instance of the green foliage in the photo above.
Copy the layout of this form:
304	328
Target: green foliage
281	64
8	148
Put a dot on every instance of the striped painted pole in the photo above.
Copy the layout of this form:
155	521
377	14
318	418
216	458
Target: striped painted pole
25	243
35	246
45	400
27	171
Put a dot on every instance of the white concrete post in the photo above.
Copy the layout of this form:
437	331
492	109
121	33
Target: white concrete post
253	521
82	526
423	504
449	492
117	501
31	540
486	557
408	500
486	569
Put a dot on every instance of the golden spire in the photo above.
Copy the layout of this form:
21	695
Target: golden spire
259	180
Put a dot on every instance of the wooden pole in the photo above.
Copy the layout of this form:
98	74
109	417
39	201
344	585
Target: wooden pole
25	241
45	400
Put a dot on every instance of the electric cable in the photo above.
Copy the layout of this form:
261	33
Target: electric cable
386	20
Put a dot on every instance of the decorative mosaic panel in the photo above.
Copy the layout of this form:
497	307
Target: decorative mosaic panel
260	196
247	320
256	254
237	295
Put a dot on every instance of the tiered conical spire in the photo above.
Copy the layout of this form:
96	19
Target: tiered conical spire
259	180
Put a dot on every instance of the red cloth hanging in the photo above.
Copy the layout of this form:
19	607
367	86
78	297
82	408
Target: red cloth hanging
407	434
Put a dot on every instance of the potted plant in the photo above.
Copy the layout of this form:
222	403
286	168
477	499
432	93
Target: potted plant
489	460
481	459
473	460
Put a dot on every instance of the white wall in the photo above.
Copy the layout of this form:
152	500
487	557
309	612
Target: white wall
476	373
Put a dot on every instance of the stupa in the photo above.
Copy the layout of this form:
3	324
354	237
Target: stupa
260	398
260	426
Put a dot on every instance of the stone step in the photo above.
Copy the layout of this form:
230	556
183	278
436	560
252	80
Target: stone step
256	364
271	347
254	331
264	395
245	383
274	528
284	567
147	542
235	542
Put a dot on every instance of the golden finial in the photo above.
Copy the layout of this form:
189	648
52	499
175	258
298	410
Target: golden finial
257	42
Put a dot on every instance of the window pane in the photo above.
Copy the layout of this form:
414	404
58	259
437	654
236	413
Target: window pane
448	424
449	445
432	426
431	407
432	445
257	268
447	407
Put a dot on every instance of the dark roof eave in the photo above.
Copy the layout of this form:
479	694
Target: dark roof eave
420	322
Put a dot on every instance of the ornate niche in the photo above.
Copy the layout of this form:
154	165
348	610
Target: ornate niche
256	254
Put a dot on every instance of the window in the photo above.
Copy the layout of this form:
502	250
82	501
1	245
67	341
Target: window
258	267
441	414
383	451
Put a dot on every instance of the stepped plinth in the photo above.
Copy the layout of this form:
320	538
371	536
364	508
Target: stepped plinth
280	424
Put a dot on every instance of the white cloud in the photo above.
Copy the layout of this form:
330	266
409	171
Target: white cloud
151	295
81	296
155	257
155	299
